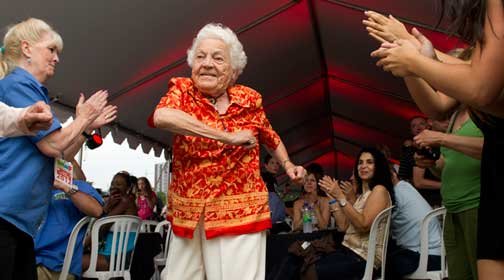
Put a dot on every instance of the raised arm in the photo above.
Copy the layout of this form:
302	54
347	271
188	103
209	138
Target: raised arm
479	84
57	142
377	201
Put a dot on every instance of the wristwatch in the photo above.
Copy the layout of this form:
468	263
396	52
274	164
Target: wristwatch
72	189
342	202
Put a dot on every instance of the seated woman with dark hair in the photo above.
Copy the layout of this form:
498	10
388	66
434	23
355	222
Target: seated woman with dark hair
314	199
374	194
118	203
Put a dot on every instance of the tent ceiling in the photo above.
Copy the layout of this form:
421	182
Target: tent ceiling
308	58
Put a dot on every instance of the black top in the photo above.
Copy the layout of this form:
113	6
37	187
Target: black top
490	226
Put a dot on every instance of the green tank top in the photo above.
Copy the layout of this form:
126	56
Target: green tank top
460	179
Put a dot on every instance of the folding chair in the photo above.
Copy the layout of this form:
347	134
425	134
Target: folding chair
71	246
421	272
123	226
381	222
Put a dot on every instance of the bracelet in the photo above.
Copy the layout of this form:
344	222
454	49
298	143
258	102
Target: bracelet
285	161
332	201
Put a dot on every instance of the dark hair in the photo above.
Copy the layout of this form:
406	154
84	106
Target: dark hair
317	176
315	168
127	178
148	186
467	18
381	176
267	158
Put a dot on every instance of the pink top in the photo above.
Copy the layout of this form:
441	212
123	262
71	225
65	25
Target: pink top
144	211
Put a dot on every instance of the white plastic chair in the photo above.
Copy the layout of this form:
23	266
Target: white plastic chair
421	272
164	229
381	221
147	225
123	226
71	247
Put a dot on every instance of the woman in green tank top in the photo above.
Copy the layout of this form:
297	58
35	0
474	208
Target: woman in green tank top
459	166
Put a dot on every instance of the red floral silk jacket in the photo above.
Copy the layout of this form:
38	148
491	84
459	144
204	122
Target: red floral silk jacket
221	182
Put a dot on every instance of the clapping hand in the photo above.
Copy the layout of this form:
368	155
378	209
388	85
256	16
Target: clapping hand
93	107
385	29
331	187
108	115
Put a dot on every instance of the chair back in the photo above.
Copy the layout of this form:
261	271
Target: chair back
382	221
421	272
147	225
123	226
71	247
164	229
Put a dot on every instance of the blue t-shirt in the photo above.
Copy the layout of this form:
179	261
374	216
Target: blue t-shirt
407	218
52	239
26	175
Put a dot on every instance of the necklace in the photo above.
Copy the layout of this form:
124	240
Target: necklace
213	100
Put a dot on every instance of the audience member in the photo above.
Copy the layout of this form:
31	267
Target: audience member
459	165
478	85
403	252
118	203
276	205
460	189
146	199
315	199
31	53
427	184
68	205
375	193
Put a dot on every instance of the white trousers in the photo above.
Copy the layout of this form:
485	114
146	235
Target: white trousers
220	258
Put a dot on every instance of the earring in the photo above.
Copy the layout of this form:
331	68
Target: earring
28	60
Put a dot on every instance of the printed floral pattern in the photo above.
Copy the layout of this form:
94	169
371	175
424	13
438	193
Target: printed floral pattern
221	181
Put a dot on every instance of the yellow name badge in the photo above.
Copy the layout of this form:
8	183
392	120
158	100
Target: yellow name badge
63	171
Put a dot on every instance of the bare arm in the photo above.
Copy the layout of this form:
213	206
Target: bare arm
87	204
322	213
421	183
479	84
295	172
389	29
339	217
60	140
297	221
433	103
377	201
180	122
84	202
468	145
471	146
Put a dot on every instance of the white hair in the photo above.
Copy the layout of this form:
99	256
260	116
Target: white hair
221	32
